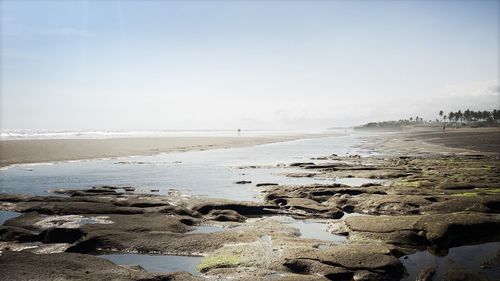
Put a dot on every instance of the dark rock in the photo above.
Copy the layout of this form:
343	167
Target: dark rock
71	266
321	166
493	205
178	210
300	164
461	186
85	193
242	182
225	215
147	204
348	208
313	208
426	274
69	207
370	184
441	230
13	233
189	221
243	208
342	262
61	235
106	187
266	184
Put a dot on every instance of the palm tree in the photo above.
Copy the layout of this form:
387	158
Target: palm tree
459	115
486	115
467	115
496	114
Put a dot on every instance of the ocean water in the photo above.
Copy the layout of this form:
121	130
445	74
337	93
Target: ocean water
210	173
18	134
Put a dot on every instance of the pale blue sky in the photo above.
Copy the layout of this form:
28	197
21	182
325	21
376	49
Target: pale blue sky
250	64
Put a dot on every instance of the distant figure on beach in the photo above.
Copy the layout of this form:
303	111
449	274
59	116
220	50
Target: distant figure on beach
444	127
239	132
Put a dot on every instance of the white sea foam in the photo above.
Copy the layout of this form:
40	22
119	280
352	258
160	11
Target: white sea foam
19	134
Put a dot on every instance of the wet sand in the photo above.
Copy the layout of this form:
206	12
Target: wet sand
434	140
478	139
52	150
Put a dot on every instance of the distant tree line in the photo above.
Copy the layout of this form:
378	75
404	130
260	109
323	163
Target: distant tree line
471	116
467	118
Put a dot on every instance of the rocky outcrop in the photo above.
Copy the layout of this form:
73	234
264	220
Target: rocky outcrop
344	262
436	230
71	266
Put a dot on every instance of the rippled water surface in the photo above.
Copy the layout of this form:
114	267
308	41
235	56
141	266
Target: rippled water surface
211	173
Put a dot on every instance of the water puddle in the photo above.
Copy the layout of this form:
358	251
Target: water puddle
206	229
347	215
473	258
5	215
70	221
315	230
157	263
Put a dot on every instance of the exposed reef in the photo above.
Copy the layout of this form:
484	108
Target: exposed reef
431	202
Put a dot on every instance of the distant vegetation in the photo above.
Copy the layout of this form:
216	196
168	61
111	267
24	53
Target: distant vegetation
467	118
381	126
472	118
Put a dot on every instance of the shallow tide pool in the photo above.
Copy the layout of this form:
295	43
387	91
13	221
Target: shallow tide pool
471	258
157	263
5	215
210	173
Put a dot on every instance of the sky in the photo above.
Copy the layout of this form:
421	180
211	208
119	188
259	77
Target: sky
120	65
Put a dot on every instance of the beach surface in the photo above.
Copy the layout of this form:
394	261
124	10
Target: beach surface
54	150
433	140
419	201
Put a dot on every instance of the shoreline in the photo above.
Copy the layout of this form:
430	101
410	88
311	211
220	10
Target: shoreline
46	151
431	199
20	152
427	203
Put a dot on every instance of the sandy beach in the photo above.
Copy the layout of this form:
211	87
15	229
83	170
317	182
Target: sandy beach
422	199
433	140
51	150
